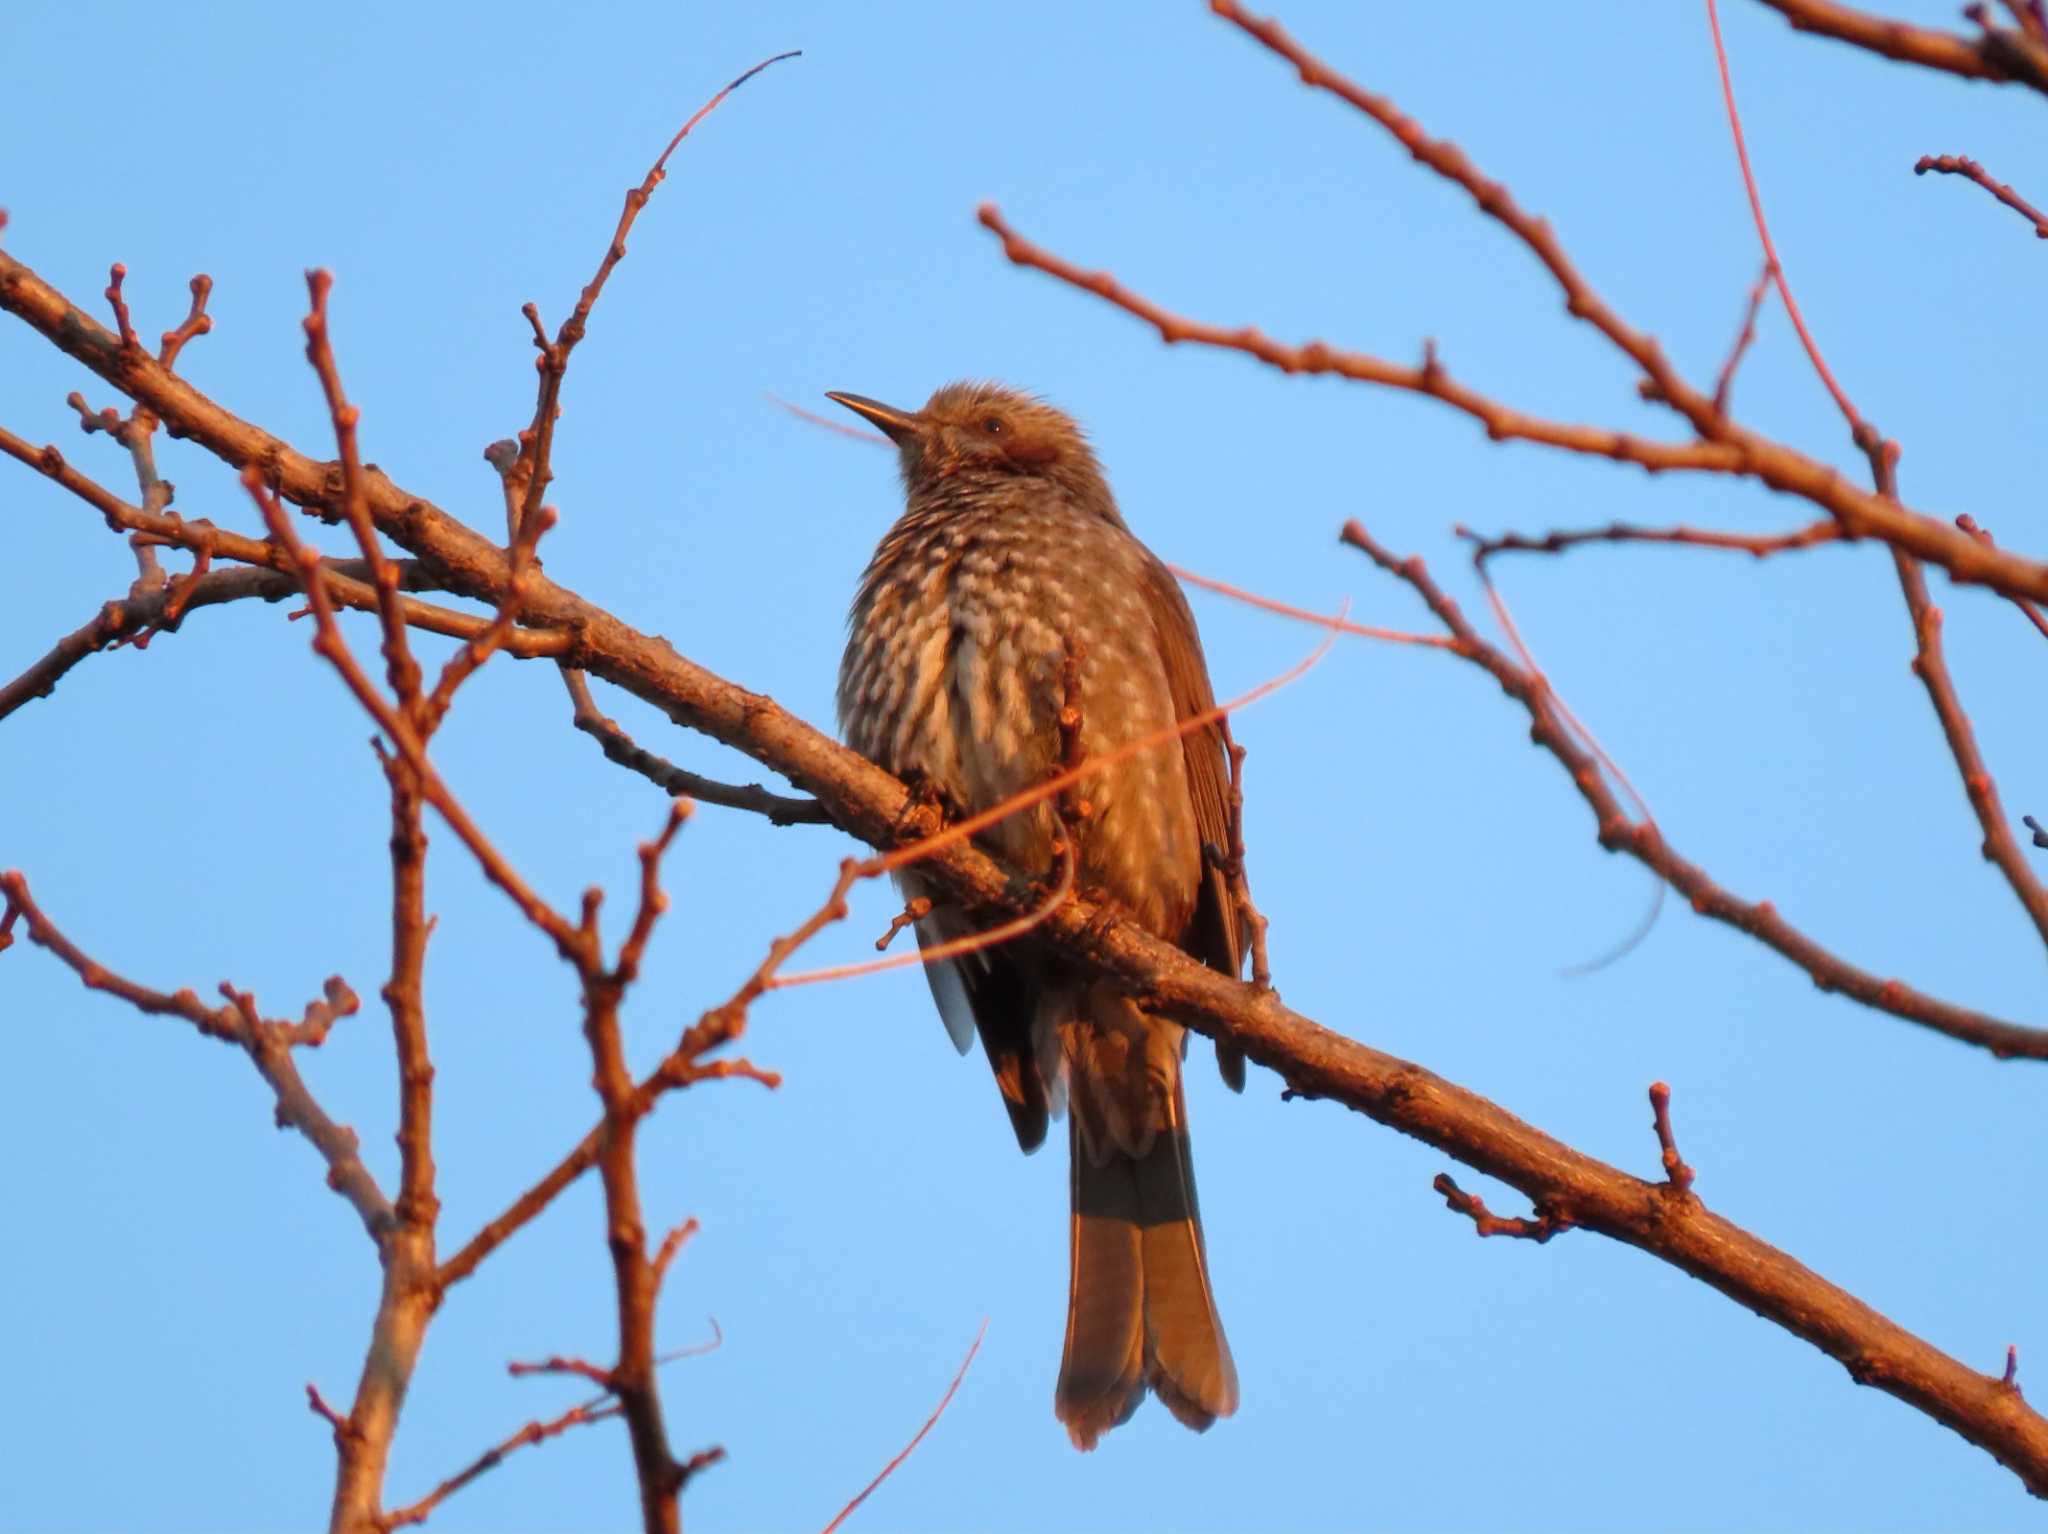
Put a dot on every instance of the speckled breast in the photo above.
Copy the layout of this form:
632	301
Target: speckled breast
953	672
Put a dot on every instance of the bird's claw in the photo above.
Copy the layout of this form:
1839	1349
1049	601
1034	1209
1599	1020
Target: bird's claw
925	811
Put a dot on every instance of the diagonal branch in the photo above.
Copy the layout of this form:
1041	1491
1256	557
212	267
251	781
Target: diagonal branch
930	1422
1734	450
2000	847
1644	843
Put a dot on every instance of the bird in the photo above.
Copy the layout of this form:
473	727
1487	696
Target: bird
1009	591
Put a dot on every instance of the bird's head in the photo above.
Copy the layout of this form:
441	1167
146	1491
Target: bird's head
985	433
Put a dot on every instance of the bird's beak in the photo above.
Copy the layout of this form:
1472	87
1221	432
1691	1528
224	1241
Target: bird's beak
900	426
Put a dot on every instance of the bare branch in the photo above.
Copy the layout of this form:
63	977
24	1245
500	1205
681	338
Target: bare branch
675	781
115	277
1725	383
2000	847
2033	614
1647	846
536	444
1963	165
1486	1223
582	1368
464	662
1304	615
1997	55
536	1432
197	322
267	1043
135	618
402	669
1677	1175
1759	544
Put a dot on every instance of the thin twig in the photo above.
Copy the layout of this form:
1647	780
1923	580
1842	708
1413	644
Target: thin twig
1762	545
915	910
1501	422
536	452
1676	1173
267	1043
2000	845
1307	615
1982	534
403	670
678	782
1963	165
582	1368
327	641
1726	381
464	662
916	1439
596	1410
1773	267
197	322
1486	1223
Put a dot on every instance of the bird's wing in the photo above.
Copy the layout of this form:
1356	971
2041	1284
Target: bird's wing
987	991
1214	936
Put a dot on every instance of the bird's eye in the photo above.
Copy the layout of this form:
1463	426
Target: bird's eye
993	425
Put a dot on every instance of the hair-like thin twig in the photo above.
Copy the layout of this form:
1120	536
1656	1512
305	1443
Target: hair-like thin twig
1725	382
916	1439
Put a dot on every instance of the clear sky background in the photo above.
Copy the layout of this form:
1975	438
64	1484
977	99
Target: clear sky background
172	1271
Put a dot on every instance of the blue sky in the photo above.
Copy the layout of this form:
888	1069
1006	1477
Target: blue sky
175	1271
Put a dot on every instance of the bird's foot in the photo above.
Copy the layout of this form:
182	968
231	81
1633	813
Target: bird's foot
925	812
1103	920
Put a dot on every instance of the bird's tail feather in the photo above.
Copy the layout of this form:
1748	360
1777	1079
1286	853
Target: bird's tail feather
1139	1308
